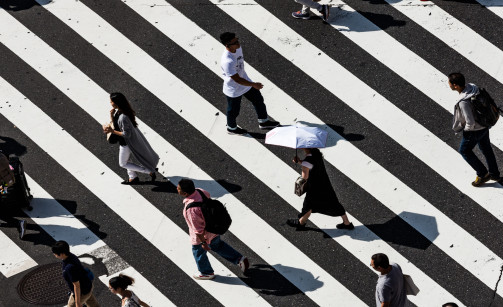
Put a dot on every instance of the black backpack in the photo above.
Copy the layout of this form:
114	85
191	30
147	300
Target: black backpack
215	214
484	109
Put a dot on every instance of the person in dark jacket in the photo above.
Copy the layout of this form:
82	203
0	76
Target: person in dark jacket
131	140
320	195
76	277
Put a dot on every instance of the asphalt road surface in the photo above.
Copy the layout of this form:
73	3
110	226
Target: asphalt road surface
373	76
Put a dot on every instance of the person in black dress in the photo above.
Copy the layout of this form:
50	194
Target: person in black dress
320	195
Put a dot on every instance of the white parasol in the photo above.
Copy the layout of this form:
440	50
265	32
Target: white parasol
297	137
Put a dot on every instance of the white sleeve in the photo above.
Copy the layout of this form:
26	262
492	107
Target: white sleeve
229	68
307	164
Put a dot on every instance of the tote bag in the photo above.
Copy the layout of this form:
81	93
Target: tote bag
410	286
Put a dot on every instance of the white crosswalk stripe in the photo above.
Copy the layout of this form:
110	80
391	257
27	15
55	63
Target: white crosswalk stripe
279	110
13	259
259	239
362	99
139	212
55	220
455	34
464	250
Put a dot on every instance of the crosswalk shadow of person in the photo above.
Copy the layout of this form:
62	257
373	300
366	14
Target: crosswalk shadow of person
268	280
394	231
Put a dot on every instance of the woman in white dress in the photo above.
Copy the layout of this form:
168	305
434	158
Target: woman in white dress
118	285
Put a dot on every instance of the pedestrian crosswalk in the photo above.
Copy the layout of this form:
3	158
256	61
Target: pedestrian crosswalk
390	153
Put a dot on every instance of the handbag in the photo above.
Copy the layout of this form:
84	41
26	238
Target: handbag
300	186
410	286
112	138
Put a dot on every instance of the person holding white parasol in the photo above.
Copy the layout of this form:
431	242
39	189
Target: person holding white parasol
320	195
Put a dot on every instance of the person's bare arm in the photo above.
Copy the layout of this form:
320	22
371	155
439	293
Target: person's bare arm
305	172
245	82
76	293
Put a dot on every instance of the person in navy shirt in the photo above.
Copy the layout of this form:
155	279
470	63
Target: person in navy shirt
76	277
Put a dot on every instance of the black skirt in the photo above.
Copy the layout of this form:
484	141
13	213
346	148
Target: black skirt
320	195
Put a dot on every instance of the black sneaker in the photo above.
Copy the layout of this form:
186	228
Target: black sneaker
325	12
236	131
136	180
295	223
344	226
269	124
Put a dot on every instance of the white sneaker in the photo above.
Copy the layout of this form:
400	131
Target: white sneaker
203	276
244	264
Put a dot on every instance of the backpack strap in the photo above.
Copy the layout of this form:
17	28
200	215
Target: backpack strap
193	205
203	196
197	204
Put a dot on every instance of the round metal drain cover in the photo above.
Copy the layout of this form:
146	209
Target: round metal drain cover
44	286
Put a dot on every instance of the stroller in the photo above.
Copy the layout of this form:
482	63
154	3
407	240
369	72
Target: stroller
14	190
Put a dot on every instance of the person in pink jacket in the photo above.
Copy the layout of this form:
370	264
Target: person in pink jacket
202	241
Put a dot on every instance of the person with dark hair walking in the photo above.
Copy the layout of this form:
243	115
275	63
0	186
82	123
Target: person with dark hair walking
118	285
320	195
131	140
202	241
76	276
473	132
307	5
238	84
390	288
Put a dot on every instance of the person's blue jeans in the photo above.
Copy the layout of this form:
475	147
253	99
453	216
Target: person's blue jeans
234	106
219	247
469	141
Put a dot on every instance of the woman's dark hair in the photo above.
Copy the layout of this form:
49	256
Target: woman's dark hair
61	247
121	281
316	152
187	186
124	106
380	260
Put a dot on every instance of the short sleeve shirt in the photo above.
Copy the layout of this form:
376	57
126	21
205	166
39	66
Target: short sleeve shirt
73	271
231	64
390	288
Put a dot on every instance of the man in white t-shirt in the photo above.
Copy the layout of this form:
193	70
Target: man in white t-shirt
238	84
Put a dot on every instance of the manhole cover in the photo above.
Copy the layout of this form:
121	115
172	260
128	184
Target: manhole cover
44	286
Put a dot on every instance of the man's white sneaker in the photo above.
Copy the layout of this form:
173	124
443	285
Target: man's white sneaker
203	276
